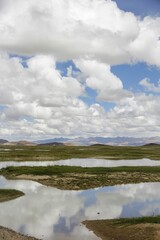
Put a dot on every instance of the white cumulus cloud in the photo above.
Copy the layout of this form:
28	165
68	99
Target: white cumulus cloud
68	29
100	78
149	86
36	99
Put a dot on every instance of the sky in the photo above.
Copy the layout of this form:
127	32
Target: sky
79	68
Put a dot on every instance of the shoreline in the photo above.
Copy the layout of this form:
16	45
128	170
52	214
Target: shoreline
8	234
105	229
108	230
83	181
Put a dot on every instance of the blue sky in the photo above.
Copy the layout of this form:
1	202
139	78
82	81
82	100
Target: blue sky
133	74
140	8
79	69
130	74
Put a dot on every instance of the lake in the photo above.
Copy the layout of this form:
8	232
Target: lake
85	162
49	213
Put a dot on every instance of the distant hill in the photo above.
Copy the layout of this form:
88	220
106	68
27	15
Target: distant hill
2	141
54	140
52	144
91	141
20	143
112	141
98	145
25	143
151	144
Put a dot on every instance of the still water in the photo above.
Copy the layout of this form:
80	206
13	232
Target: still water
52	214
85	162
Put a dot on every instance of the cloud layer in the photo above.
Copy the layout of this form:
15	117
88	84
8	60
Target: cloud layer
38	100
71	29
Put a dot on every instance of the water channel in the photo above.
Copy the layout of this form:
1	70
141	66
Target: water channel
84	162
52	214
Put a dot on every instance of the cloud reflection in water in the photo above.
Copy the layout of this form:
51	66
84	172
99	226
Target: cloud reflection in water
84	162
49	213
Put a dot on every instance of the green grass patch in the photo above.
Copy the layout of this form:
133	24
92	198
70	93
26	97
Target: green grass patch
139	220
55	170
40	153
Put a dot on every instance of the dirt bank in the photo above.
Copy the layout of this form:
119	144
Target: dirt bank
7	234
108	230
76	181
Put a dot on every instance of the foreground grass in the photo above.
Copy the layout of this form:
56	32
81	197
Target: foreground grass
30	153
144	228
147	219
65	177
8	234
9	194
56	170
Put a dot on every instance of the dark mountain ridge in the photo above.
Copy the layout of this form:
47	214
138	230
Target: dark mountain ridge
2	141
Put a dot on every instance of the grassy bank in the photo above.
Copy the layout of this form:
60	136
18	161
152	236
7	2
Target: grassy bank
30	153
65	177
58	170
144	228
147	219
9	194
8	234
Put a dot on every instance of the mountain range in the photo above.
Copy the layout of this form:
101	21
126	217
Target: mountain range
114	141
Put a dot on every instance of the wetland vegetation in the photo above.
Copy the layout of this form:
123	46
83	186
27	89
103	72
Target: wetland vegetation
143	228
66	177
7	234
71	177
31	153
